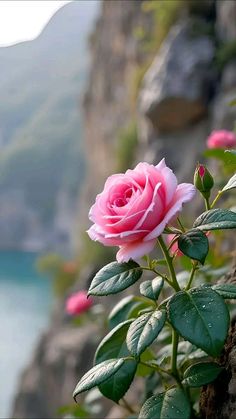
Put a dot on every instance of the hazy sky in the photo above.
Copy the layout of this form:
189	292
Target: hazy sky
23	20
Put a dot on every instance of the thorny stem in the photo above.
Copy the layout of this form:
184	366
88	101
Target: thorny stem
174	282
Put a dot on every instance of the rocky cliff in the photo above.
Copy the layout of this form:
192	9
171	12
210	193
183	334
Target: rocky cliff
183	95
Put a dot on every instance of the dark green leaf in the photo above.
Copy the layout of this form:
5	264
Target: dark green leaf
97	375
226	290
202	373
231	183
127	308
173	404
194	244
216	219
201	317
152	289
144	330
115	277
114	346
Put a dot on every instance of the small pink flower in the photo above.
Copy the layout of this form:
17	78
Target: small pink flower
174	248
134	208
78	303
221	139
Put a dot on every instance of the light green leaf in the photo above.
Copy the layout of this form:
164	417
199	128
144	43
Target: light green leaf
194	244
231	183
144	330
216	219
201	317
202	373
97	375
173	404
115	277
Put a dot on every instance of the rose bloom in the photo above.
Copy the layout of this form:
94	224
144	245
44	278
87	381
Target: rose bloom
78	303
174	248
134	208
221	139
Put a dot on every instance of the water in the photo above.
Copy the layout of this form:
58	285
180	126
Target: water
25	300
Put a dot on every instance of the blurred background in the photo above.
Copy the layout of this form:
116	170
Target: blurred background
89	88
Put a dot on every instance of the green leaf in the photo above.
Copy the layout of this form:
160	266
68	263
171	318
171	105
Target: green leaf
231	156
143	370
173	404
201	317
127	308
231	183
152	289
114	346
115	277
144	330
97	375
226	290
222	155
216	219
202	373
194	244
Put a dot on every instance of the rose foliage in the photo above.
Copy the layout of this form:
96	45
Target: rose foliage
173	333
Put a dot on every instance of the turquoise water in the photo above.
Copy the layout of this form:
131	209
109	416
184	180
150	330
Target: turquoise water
25	300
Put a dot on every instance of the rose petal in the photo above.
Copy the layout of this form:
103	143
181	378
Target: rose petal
134	250
184	193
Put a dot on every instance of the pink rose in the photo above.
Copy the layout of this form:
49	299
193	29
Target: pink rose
174	248
221	139
134	208
78	303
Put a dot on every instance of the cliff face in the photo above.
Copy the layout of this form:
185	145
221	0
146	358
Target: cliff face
116	54
181	99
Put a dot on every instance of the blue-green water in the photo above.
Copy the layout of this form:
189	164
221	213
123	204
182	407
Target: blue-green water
25	300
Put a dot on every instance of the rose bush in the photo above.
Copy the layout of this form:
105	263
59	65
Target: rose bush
221	139
78	303
135	207
157	334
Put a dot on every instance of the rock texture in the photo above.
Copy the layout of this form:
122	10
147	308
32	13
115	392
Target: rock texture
57	363
176	88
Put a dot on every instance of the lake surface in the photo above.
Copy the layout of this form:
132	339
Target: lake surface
25	302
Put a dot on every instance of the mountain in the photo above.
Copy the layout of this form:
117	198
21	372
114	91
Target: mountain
41	158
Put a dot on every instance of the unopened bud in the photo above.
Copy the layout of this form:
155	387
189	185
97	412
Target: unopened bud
203	180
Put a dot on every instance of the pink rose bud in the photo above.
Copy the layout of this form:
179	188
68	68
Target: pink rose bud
221	139
174	248
135	207
203	180
78	303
